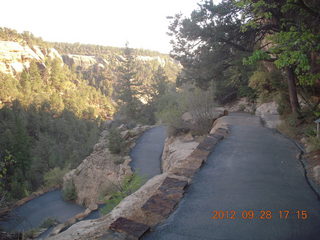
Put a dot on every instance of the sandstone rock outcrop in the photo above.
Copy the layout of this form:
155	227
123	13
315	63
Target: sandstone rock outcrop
82	61
176	149
269	114
101	171
15	56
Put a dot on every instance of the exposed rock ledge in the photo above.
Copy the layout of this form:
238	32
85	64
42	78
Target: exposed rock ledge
155	200
98	173
15	57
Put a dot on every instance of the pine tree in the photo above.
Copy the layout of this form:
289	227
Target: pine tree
128	85
160	82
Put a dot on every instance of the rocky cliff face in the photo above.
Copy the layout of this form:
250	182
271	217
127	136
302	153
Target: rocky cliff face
84	62
102	171
15	56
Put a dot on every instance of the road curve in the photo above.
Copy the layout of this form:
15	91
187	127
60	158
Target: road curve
146	154
253	169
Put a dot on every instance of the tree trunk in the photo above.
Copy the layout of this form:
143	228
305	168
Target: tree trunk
292	87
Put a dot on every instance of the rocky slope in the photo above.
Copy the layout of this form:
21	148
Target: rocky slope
101	171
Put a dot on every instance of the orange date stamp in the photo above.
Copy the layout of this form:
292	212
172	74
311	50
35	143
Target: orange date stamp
259	214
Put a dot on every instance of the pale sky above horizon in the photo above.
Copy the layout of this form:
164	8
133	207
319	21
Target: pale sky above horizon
142	23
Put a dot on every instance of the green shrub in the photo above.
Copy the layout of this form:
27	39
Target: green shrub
49	222
54	177
310	130
116	144
265	82
245	91
69	191
283	103
129	185
313	144
199	103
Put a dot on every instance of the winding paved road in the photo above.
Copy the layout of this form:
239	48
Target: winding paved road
256	169
34	212
146	154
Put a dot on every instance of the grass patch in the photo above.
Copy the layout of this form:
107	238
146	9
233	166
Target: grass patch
49	222
69	191
129	185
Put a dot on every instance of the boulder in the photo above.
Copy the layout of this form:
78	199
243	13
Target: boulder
176	149
269	114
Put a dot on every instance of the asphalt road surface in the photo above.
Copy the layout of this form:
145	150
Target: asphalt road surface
36	211
146	155
254	170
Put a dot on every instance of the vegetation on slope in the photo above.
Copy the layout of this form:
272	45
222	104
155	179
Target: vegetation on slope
264	50
50	114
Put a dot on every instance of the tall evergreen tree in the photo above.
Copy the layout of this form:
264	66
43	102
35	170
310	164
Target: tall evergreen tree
128	86
160	82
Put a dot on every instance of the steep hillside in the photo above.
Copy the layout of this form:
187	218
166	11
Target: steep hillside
53	100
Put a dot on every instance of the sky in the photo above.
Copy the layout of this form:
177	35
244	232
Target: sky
142	23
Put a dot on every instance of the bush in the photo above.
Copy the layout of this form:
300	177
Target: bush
116	144
265	82
54	177
129	185
283	103
313	144
199	103
49	222
69	192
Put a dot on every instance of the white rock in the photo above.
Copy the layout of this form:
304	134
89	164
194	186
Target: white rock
269	114
270	108
176	149
316	173
15	57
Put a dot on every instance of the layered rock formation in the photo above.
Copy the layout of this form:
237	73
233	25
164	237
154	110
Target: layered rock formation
84	62
15	56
